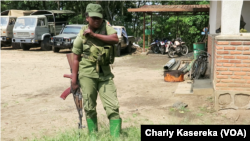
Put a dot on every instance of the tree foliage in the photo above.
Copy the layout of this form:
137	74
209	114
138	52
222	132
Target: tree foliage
189	28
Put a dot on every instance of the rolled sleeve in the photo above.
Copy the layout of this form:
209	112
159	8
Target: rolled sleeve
110	30
77	45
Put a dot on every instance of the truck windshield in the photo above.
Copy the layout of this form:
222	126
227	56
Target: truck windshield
4	21
118	30
71	30
31	22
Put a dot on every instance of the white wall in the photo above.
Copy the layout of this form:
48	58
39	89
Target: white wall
230	16
218	16
246	14
214	16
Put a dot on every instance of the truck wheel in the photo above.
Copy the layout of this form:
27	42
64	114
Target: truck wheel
13	45
45	44
118	50
24	47
55	49
129	47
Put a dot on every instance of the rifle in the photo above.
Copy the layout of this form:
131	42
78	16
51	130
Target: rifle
77	95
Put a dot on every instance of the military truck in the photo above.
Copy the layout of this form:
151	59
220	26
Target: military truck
125	42
36	29
8	19
66	37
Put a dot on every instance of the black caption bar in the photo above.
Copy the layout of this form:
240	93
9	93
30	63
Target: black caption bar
163	132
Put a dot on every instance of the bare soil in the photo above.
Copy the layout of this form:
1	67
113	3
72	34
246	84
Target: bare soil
32	81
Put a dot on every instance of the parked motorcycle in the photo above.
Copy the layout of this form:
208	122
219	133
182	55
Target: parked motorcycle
155	46
163	46
167	45
177	47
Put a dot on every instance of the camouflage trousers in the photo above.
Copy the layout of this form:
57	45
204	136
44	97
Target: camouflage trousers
107	92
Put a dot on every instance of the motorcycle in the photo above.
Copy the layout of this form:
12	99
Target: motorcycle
155	46
160	46
177	47
167	45
163	44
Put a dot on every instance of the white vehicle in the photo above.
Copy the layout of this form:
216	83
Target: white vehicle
8	19
37	29
125	42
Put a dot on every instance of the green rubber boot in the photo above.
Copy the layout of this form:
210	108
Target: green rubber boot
115	127
92	126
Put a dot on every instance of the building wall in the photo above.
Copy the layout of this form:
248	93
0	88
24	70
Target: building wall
232	65
214	16
218	14
210	50
230	17
230	55
246	14
232	72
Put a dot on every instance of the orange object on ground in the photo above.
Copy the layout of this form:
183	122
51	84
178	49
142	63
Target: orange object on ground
173	76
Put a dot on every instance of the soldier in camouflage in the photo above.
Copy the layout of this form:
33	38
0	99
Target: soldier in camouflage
93	77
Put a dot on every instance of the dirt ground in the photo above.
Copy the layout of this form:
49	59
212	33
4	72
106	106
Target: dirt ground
32	81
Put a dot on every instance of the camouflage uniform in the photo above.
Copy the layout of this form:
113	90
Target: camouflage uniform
93	82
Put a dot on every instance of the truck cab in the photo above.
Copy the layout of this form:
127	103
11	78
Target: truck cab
66	37
37	29
7	24
8	19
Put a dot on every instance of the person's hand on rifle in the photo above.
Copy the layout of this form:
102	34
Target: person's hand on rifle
74	86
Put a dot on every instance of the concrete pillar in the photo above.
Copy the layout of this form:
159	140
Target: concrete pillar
212	17
230	17
218	14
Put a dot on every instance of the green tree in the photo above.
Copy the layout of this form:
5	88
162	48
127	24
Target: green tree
165	26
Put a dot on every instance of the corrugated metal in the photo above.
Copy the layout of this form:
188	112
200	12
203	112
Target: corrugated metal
170	8
17	13
52	11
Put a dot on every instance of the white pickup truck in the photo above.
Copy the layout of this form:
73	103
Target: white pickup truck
125	42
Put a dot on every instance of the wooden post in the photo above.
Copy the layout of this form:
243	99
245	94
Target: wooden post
148	40
144	32
151	30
